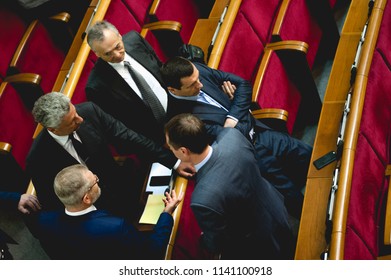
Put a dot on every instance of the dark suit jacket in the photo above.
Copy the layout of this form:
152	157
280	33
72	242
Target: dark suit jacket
46	157
242	215
9	200
109	90
100	235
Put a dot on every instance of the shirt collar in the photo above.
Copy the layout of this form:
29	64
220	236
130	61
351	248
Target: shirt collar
191	98
202	163
62	140
119	64
82	212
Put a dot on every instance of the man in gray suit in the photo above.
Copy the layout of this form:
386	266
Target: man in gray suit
242	215
112	87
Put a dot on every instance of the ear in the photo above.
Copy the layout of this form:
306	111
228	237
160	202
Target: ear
185	151
171	89
87	199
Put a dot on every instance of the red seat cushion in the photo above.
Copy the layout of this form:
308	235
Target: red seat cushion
11	32
17	124
184	11
41	56
300	25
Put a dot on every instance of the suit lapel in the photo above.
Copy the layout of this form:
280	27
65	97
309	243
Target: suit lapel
116	83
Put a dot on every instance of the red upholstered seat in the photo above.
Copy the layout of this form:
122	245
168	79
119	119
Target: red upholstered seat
250	33
299	24
277	91
79	94
122	17
187	243
139	9
40	56
368	184
119	15
383	41
367	191
17	124
12	29
184	11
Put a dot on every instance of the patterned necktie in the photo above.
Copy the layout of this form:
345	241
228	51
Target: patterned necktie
148	95
79	147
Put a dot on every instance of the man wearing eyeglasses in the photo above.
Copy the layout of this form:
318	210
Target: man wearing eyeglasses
84	231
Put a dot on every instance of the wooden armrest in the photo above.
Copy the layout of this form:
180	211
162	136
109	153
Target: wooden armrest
26	78
154	7
280	17
271	113
166	25
222	37
27	85
61	17
23	43
167	35
180	186
22	78
291	45
387	223
5	148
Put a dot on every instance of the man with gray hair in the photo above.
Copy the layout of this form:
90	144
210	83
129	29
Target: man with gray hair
115	85
82	134
84	231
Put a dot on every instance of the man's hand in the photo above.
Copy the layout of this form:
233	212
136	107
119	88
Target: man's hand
186	169
171	201
28	203
230	122
229	89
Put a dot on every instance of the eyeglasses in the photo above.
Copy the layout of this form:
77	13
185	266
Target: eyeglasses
96	182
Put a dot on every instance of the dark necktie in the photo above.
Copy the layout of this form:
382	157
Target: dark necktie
79	147
148	95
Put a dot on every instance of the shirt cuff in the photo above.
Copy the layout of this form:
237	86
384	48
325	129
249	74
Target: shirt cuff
233	118
177	164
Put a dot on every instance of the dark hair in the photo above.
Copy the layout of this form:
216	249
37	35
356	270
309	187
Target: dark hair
174	70
187	130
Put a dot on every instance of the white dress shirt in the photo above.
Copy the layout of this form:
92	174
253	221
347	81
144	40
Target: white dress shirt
151	80
66	143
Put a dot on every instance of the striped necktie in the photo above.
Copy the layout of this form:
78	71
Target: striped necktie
148	95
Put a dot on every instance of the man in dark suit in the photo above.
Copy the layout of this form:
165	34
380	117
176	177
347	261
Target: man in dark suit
67	127
111	86
221	99
85	232
241	214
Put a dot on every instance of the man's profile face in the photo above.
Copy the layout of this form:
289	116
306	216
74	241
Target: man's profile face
70	122
191	85
111	48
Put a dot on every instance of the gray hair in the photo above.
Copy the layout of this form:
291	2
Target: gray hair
95	33
50	109
71	184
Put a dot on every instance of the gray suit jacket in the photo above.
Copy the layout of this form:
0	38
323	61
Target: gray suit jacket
240	213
